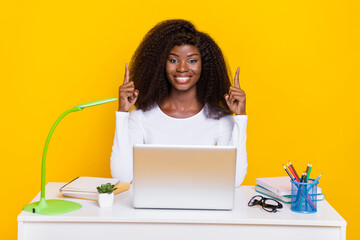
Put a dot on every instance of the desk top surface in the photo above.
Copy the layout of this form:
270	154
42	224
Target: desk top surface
123	211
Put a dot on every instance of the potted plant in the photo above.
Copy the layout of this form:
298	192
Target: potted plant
106	195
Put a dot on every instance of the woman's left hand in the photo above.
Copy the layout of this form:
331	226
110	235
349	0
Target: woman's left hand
236	99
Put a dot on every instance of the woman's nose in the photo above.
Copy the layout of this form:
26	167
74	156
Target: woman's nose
182	67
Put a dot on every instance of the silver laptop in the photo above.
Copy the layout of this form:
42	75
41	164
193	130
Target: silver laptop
184	177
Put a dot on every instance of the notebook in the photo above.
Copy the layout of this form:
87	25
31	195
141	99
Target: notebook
278	185
87	184
184	177
85	187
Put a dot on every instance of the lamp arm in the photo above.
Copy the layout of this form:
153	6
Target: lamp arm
57	206
47	145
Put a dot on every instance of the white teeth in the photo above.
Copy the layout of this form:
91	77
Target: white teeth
182	79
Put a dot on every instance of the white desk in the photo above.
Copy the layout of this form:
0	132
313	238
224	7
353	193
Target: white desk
122	221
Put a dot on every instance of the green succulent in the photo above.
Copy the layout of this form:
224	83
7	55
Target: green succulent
106	188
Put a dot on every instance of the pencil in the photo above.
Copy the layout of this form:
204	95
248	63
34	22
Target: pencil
308	174
291	177
300	189
317	179
302	177
307	167
291	170
292	166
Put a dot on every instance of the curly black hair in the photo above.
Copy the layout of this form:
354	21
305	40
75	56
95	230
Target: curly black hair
149	61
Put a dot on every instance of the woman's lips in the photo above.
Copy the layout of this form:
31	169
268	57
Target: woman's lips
182	79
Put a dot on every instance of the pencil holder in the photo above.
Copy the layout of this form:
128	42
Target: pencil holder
304	196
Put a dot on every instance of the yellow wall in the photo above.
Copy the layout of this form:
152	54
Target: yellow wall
300	70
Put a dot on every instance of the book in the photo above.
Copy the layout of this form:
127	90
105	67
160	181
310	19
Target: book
278	185
86	187
285	198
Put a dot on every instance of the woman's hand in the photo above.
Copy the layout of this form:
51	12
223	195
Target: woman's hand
127	93
236	98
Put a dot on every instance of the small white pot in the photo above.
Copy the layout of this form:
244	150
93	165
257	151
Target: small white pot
106	200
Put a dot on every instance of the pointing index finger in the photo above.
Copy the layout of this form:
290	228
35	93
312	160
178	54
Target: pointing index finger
126	78
237	81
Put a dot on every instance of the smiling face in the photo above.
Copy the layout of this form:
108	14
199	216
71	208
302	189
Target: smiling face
183	67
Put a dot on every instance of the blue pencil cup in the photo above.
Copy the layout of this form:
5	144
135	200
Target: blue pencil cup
304	196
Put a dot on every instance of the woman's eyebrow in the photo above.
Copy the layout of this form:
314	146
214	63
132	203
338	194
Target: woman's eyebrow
190	55
193	54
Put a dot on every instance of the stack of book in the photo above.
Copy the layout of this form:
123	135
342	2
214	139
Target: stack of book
279	188
85	187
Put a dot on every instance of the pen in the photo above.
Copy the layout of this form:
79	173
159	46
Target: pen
291	177
292	166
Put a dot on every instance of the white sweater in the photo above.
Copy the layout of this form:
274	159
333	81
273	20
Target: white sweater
155	127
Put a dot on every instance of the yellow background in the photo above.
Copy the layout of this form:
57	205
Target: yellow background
299	68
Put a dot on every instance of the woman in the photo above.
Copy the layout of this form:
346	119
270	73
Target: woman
182	94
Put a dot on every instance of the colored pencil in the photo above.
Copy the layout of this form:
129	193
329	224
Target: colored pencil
317	179
307	167
302	177
291	177
291	170
300	189
308	174
292	166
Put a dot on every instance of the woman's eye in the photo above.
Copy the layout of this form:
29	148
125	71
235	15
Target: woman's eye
173	60
192	61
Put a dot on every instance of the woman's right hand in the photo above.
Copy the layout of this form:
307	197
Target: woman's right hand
127	93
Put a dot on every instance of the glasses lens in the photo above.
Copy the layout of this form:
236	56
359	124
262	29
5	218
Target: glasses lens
271	203
255	200
269	208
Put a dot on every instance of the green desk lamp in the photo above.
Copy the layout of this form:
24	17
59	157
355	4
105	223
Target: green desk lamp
55	206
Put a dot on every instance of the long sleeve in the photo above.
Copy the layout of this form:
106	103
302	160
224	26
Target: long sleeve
233	133
127	133
154	127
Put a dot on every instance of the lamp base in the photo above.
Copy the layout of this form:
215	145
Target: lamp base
52	207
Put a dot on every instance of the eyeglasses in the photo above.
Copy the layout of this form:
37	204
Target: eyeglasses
268	204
